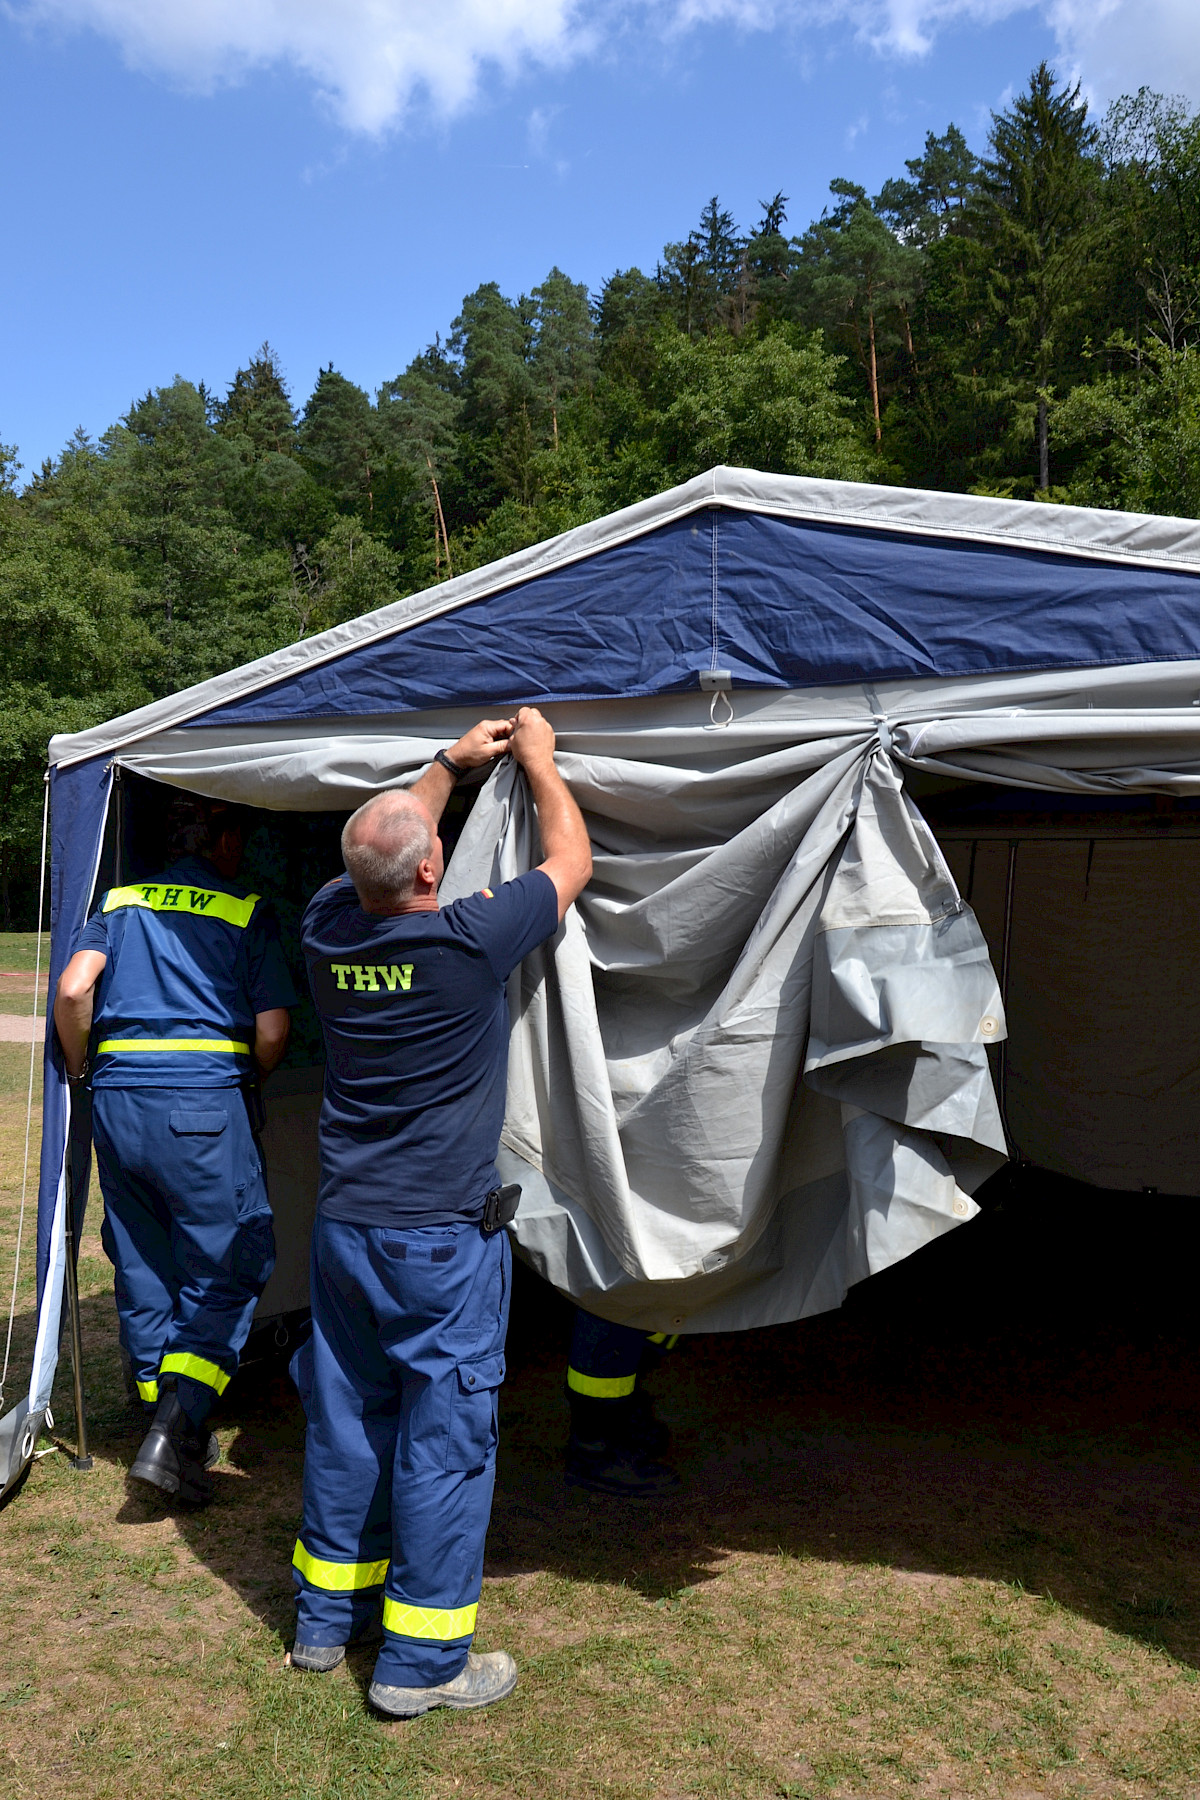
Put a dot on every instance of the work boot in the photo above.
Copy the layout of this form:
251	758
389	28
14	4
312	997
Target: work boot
618	1469
615	1447
489	1676
319	1659
212	1451
173	1454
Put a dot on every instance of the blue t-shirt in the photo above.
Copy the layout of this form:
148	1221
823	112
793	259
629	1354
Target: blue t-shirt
415	1017
191	958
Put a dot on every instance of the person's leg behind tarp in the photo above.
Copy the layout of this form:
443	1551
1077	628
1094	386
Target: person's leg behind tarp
616	1444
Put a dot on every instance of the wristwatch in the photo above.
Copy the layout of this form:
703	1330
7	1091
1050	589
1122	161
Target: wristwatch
440	756
78	1080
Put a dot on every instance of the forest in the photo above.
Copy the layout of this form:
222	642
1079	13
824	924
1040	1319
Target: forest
1021	322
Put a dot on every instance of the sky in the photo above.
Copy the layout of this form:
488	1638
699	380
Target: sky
187	178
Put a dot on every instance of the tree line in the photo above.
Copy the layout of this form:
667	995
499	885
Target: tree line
1021	322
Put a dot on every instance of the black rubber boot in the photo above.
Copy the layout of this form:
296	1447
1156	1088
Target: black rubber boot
608	1451
212	1454
173	1454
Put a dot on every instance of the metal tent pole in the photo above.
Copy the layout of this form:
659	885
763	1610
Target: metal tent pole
81	1460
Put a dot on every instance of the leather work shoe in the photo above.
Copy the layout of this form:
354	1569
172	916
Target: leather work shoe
173	1455
489	1676
618	1469
318	1658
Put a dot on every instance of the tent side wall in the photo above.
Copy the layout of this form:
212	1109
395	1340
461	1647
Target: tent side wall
79	804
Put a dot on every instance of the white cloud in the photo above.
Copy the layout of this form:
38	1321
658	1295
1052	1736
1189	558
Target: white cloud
373	58
1118	46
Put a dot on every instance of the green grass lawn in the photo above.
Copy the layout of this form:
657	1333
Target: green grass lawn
908	1560
18	950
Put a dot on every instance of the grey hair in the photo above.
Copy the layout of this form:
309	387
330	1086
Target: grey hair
398	839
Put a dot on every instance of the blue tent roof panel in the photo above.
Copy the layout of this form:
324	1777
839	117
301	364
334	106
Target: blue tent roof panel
779	602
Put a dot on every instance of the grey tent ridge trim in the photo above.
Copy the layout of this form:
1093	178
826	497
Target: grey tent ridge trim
1132	539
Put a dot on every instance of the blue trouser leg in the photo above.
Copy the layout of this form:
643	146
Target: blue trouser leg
188	1228
136	1235
604	1358
400	1380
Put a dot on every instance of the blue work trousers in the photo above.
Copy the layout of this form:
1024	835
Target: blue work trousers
187	1227
399	1381
606	1359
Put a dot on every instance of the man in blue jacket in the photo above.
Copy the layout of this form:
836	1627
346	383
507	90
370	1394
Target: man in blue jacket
184	983
410	1273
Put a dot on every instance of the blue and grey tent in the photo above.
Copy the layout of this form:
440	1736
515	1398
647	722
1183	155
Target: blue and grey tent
832	742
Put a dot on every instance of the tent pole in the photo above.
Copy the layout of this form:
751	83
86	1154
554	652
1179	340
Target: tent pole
1005	968
81	1460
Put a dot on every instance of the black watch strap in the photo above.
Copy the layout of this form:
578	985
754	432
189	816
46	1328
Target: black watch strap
440	756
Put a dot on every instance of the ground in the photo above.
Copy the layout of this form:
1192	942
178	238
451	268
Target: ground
941	1543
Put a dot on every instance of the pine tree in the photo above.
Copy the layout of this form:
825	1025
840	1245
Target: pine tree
1038	197
856	279
257	408
563	356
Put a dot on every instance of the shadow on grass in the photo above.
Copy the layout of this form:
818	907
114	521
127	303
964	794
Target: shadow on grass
1018	1403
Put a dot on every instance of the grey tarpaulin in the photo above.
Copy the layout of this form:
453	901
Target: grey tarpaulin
751	1069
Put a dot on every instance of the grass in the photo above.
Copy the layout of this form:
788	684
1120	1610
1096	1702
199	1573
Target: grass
17	963
18	949
911	1561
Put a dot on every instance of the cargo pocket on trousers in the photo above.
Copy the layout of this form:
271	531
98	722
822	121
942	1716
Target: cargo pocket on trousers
473	1411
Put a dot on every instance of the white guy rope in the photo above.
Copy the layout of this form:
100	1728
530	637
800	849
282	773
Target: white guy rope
33	1049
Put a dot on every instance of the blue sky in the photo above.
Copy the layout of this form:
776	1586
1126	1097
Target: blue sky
294	170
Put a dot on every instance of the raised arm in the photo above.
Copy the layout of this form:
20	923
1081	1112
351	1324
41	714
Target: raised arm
568	854
483	744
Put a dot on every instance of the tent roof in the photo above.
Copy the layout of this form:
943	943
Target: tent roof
782	580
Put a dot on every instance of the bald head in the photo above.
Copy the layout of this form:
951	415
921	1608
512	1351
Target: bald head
383	846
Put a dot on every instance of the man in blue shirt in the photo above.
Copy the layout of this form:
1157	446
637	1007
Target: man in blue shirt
410	1288
184	982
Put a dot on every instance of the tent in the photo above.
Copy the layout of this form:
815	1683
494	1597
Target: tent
820	731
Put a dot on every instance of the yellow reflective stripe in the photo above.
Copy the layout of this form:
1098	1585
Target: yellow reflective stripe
202	903
440	1622
197	1368
660	1337
338	1577
601	1387
147	1390
164	1046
